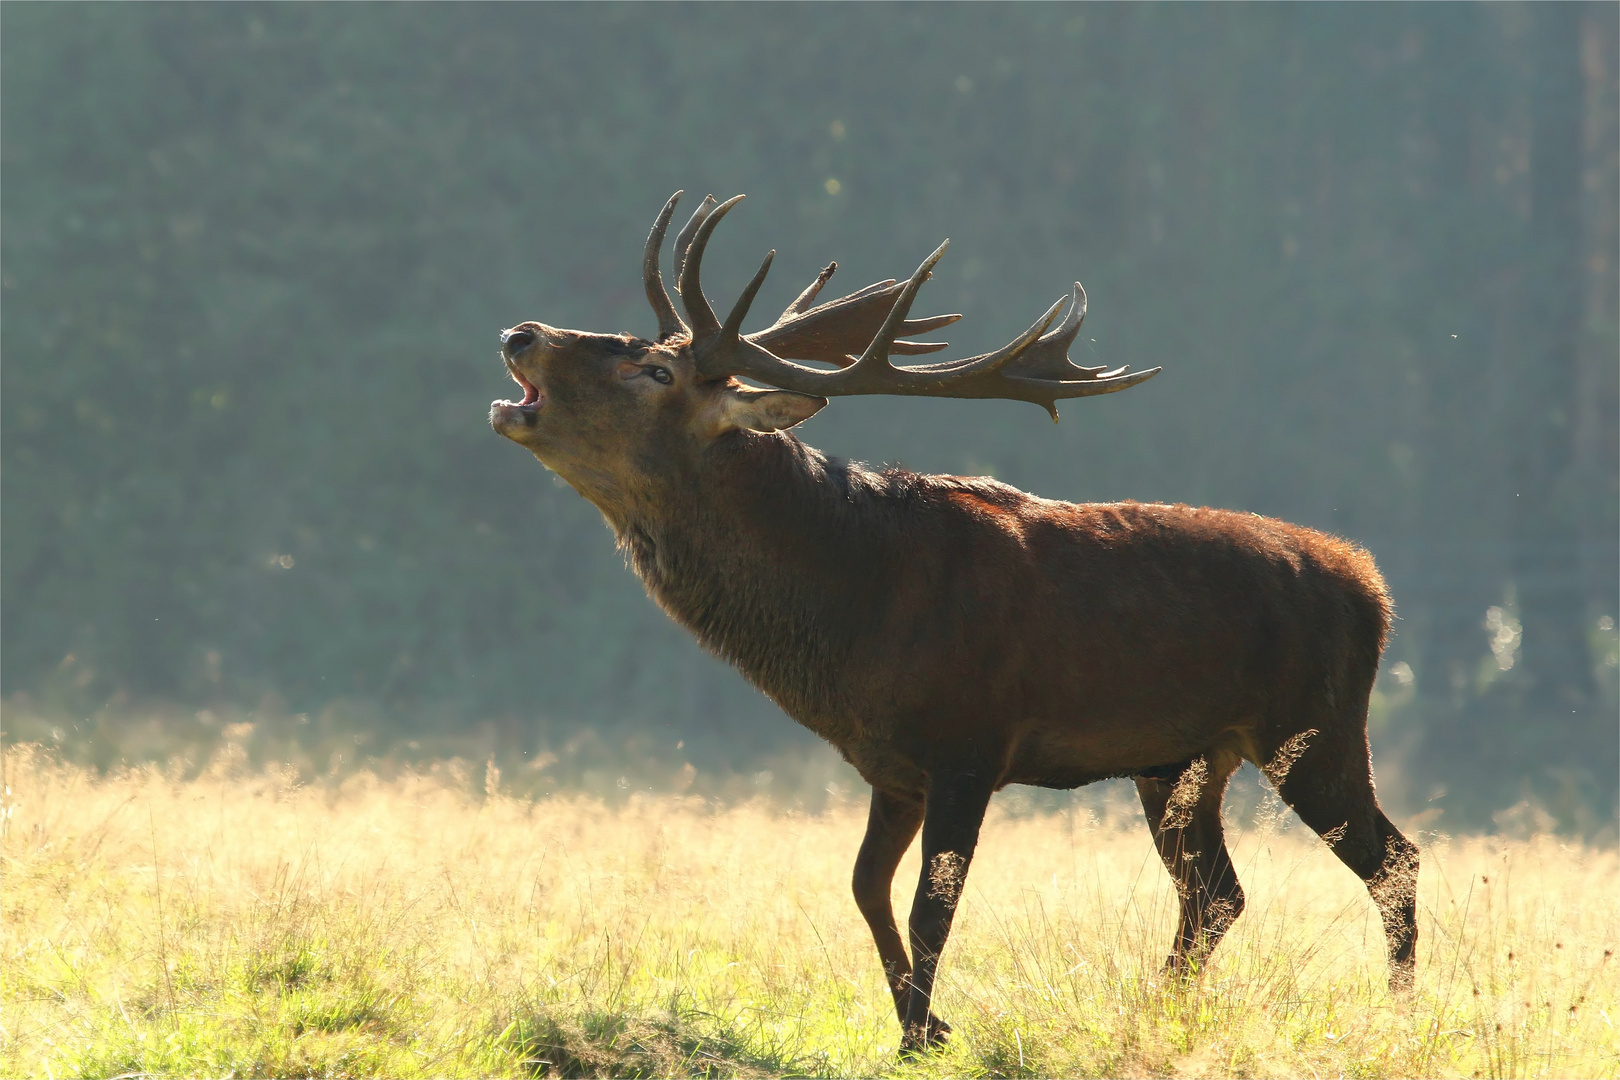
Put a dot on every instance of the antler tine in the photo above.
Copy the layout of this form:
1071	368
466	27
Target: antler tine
683	239
887	285
877	351
839	330
1002	357
1077	313
711	356
669	323
704	325
806	298
1070	326
922	326
1036	367
801	306
1049	359
739	310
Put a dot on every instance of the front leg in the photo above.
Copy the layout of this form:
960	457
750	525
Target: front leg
891	825
955	810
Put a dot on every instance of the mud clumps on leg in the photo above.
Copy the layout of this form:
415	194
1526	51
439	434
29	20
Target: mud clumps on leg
1184	797
1282	762
946	873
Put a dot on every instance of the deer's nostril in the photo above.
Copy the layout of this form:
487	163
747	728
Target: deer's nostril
515	341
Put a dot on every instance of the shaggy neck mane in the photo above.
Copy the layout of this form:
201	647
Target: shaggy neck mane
776	558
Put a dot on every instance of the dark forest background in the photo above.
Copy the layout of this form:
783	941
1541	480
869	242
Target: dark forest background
255	259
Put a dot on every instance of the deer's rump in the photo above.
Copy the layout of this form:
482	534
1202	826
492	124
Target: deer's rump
1123	639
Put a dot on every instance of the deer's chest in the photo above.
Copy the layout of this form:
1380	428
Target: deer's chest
871	745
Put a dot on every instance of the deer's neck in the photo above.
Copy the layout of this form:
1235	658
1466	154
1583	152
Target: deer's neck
777	559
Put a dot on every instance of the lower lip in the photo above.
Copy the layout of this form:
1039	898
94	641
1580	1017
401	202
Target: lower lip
511	412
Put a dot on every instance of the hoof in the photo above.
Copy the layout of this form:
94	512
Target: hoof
918	1039
1178	968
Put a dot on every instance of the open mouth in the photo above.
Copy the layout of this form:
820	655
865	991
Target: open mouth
507	417
531	392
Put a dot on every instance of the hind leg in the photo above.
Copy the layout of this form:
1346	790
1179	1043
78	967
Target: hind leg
1330	787
1185	816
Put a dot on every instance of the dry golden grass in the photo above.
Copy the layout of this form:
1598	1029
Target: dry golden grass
428	925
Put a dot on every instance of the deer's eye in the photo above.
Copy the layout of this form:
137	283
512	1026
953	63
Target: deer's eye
660	374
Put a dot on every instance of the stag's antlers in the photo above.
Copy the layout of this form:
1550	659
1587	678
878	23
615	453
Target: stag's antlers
1034	367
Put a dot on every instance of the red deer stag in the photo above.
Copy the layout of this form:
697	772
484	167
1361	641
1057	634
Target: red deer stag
951	636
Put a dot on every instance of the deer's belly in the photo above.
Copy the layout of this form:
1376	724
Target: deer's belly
1067	757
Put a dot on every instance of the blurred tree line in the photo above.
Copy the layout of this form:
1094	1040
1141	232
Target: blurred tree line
255	258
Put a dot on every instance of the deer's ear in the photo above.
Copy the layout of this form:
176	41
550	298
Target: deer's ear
766	410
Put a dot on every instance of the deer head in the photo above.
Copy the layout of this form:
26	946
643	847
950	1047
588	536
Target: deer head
611	413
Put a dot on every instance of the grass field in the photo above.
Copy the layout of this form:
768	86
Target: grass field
237	922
